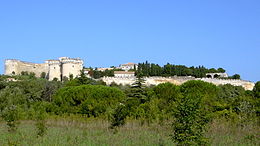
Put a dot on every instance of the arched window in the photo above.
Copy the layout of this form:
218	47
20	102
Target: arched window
216	76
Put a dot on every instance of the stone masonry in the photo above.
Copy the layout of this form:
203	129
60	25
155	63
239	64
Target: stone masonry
247	85
63	67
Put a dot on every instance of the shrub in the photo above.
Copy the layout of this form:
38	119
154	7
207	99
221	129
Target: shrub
41	123
119	116
193	112
11	116
93	100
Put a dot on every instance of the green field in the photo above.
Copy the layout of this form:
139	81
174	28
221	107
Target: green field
80	131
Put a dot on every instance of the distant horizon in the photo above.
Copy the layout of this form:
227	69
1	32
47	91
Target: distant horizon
104	33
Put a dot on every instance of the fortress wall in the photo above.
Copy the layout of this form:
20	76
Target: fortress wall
31	67
53	68
235	82
179	80
122	81
174	80
54	71
11	66
71	68
17	67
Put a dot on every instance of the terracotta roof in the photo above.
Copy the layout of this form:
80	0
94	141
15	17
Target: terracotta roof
124	72
103	69
128	64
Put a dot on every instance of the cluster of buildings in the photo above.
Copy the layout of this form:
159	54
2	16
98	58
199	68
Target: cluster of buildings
71	67
65	67
61	68
125	70
51	69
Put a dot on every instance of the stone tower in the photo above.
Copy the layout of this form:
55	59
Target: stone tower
11	67
54	69
71	66
64	67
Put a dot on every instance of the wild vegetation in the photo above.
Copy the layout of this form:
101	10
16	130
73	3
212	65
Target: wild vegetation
88	112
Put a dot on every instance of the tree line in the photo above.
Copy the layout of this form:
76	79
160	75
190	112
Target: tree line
189	107
151	69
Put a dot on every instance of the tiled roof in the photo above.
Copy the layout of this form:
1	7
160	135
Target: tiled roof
124	72
128	64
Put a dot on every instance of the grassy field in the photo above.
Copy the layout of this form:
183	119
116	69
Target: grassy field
78	131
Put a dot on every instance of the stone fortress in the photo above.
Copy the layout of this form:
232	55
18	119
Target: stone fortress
178	80
63	67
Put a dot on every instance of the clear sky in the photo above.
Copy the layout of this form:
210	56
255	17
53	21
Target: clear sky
213	33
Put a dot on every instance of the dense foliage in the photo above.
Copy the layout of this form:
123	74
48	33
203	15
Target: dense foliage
151	69
189	107
96	74
92	100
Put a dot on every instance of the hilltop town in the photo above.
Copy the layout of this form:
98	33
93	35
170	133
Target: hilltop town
124	74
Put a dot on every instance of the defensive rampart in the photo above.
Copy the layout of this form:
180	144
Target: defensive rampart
64	67
13	66
179	80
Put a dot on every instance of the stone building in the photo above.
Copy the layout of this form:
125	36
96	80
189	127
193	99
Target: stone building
216	75
63	67
105	68
124	74
128	66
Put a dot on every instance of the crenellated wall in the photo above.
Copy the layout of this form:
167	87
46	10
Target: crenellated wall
71	66
53	68
16	67
235	82
247	85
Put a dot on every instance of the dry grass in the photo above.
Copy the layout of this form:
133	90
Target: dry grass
222	132
74	130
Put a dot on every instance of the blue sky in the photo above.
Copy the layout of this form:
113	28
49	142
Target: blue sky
213	33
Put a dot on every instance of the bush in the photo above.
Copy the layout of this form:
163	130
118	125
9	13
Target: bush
119	116
193	112
11	116
41	123
93	100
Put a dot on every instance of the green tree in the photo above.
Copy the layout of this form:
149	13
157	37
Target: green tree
137	91
71	75
235	76
11	115
119	116
256	92
166	96
43	75
40	120
92	100
193	112
221	70
256	89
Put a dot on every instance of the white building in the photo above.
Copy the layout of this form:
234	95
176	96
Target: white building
128	66
124	74
216	75
104	69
